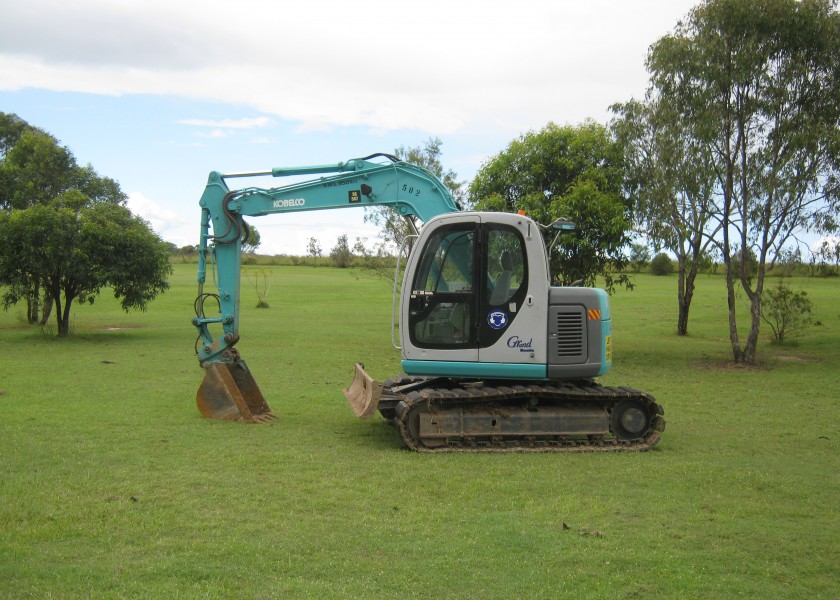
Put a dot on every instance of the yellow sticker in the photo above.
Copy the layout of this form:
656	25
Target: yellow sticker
608	353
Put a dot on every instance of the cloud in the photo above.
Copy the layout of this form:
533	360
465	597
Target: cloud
246	123
167	223
831	242
442	68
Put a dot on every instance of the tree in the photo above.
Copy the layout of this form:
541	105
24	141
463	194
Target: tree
11	128
569	172
313	249
76	247
35	169
251	240
829	250
661	264
639	257
340	253
394	227
669	178
757	83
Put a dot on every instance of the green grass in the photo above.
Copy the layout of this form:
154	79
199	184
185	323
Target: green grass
112	485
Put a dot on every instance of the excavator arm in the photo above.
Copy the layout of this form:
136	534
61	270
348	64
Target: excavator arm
229	391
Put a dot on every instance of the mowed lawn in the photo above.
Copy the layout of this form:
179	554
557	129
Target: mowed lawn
112	485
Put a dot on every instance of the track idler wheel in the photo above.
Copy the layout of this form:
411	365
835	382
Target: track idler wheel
632	419
230	393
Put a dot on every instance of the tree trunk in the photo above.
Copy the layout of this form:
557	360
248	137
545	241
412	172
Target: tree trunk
63	319
685	294
737	353
46	311
62	312
33	304
755	313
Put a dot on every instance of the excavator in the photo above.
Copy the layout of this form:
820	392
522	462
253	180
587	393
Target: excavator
495	357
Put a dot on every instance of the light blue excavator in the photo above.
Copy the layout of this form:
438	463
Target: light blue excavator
495	357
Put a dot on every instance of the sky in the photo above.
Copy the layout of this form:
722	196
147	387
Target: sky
158	94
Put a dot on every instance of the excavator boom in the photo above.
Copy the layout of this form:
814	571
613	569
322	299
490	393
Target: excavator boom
229	390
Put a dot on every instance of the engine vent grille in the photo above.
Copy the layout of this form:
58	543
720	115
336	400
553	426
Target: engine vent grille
568	334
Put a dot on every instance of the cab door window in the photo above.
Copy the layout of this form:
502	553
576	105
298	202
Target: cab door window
443	306
506	282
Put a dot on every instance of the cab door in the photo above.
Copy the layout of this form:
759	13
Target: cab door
442	294
504	277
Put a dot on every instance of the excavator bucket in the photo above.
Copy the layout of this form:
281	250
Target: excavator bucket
230	393
364	393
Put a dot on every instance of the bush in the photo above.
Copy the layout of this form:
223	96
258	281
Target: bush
341	253
661	264
786	311
749	268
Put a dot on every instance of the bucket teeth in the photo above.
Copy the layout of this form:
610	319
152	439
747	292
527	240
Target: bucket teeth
230	393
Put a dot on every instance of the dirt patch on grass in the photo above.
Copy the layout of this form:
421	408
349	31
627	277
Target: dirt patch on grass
110	327
763	363
791	357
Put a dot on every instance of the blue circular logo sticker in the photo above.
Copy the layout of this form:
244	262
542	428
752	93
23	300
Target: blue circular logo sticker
497	319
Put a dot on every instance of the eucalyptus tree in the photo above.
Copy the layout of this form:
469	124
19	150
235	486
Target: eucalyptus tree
757	84
670	181
394	227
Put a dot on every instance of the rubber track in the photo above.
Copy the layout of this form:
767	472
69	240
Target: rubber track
586	391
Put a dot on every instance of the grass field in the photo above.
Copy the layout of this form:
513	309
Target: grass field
113	486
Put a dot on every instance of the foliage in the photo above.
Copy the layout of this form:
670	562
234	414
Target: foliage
340	253
757	84
76	247
786	311
36	170
639	256
569	172
829	250
313	249
395	228
744	264
250	239
661	264
11	128
377	262
669	178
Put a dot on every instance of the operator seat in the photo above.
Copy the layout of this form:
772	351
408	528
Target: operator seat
501	293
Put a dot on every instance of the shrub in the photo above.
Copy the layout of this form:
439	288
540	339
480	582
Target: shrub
786	311
661	264
341	253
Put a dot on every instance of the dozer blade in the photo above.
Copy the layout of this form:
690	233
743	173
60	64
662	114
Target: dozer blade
230	393
364	393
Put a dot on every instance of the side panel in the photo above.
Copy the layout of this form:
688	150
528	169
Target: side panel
475	370
579	333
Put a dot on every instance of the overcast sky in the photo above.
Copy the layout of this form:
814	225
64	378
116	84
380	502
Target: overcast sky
158	94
